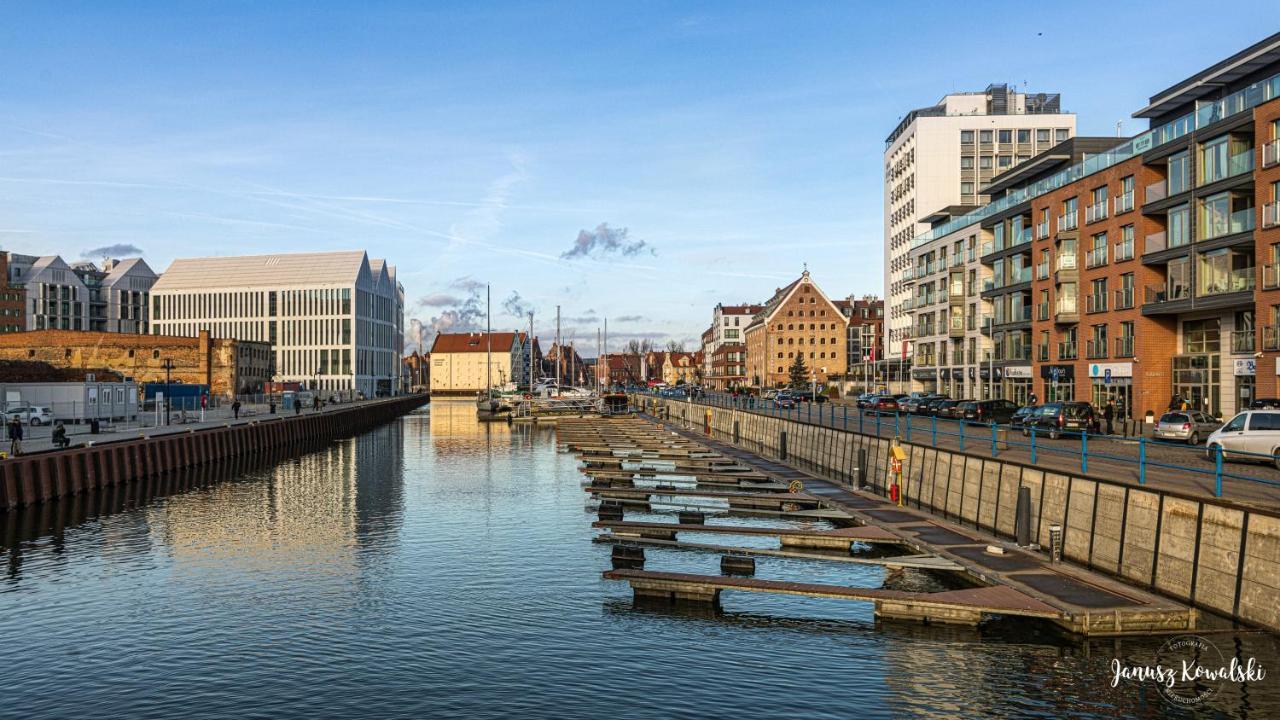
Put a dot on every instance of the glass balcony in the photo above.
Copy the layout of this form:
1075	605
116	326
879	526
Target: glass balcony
1124	250
1238	280
1067	351
1023	237
1124	347
1271	153
1155	242
957	259
1240	163
1242	341
956	288
989	284
1123	203
909	274
1157	191
1271	214
1095	303
1069	221
1095	212
988	248
1096	257
1124	299
1095	349
1167	293
1271	276
1271	338
1237	222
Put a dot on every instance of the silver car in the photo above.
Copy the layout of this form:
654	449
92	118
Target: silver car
1188	426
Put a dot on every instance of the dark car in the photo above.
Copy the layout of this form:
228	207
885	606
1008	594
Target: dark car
808	396
1265	404
949	408
864	399
1019	418
930	406
988	411
1055	419
884	403
785	401
913	404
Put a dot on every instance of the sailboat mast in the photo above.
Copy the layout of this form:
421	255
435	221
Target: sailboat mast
488	351
559	350
530	378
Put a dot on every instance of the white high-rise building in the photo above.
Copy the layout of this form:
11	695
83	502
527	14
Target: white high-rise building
335	320
940	158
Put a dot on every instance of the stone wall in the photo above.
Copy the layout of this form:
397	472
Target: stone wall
1203	551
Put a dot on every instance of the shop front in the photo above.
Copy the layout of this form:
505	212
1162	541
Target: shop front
1059	383
1017	384
1112	382
1197	380
1246	372
924	379
990	386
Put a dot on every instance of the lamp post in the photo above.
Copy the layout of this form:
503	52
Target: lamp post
168	368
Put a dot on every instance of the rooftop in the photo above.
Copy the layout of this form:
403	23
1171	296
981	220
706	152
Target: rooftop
1210	81
278	270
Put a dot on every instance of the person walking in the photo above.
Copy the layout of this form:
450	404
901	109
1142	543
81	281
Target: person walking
60	435
1033	400
297	405
15	436
1109	414
235	409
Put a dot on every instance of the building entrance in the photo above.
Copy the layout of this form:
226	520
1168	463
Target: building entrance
1196	379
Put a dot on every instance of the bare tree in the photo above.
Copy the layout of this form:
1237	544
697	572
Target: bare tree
675	346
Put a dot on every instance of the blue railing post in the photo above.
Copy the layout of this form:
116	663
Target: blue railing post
1084	451
935	430
896	417
908	428
862	416
808	412
962	437
995	450
1033	446
1217	480
877	423
1142	460
846	417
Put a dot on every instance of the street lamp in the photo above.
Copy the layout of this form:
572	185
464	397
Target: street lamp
168	368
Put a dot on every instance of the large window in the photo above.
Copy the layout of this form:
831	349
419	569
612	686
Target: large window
1179	173
1213	160
1179	231
1224	271
1179	283
1200	336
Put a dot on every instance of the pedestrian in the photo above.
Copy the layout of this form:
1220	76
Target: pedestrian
60	435
297	405
272	407
1175	403
1033	400
15	436
1109	414
315	403
235	409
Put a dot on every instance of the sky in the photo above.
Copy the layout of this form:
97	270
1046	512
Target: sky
632	161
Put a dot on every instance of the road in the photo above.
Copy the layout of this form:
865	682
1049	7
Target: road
1178	468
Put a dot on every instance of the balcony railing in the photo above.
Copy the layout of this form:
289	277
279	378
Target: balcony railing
1271	214
1271	153
1242	341
1065	261
924	361
1155	242
1124	347
1068	221
1095	212
956	288
1095	349
957	357
1042	230
1095	303
1237	164
1271	276
1166	293
1239	280
1066	312
1067	351
909	273
1042	311
988	248
1097	257
1271	338
1124	250
1124	299
1157	191
1042	270
1237	222
957	259
1123	203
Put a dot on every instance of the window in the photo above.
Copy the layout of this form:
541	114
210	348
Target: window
1006	136
984	136
1024	136
966	162
966	188
1179	282
1124	248
1200	336
1179	232
1179	173
1264	421
984	162
1237	423
1060	135
1005	161
1042	136
966	136
1213	160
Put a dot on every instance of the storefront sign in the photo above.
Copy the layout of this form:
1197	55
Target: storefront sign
985	372
1247	366
924	373
1115	370
1058	373
1018	372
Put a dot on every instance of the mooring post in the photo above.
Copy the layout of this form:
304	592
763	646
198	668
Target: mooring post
862	467
935	430
782	445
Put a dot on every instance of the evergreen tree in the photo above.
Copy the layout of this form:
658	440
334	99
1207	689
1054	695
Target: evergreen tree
798	373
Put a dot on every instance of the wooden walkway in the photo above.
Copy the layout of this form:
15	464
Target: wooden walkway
1014	582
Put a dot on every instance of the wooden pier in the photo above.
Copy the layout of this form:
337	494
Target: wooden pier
1011	581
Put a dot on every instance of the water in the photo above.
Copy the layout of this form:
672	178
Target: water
437	568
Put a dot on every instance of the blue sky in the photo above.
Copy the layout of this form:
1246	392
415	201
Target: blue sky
473	142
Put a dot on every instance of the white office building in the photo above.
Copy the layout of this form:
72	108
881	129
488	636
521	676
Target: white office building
335	320
939	158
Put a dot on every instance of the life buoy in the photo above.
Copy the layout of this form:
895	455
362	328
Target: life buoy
527	396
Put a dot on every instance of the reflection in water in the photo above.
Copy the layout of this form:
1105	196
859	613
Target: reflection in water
437	567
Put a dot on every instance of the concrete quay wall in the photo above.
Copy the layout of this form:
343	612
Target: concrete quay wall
1209	553
38	478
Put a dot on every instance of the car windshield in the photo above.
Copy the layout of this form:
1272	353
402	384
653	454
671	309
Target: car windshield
1174	418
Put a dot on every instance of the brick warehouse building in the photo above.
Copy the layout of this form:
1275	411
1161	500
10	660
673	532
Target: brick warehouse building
1129	271
799	318
226	366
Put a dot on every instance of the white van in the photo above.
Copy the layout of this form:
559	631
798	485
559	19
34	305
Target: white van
1250	435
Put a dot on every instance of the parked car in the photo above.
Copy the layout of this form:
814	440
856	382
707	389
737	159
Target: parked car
808	396
784	401
949	408
884	403
864	399
913	404
1186	427
1019	418
1250	435
1057	418
988	411
770	394
930	406
30	414
1265	404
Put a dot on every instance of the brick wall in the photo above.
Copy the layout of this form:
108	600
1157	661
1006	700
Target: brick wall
1268	295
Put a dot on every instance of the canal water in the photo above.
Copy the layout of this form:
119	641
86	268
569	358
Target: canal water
438	568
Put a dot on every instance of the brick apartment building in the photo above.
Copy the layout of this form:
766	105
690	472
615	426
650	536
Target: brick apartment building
799	318
12	301
1133	269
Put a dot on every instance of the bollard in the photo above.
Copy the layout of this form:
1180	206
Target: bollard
782	445
846	417
908	428
1142	460
862	415
896	416
808	412
736	437
877	423
1022	519
862	467
994	450
1217	480
1084	451
962	437
610	511
737	565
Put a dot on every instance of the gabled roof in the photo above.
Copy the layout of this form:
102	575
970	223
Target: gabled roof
473	342
740	309
137	266
280	270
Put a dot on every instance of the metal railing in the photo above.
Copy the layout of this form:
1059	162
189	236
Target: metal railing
1271	153
1124	250
1271	337
1095	212
1042	229
1123	203
1242	341
1271	214
1271	276
1068	221
1042	270
1067	350
1124	347
1095	302
1095	348
1124	298
1097	257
